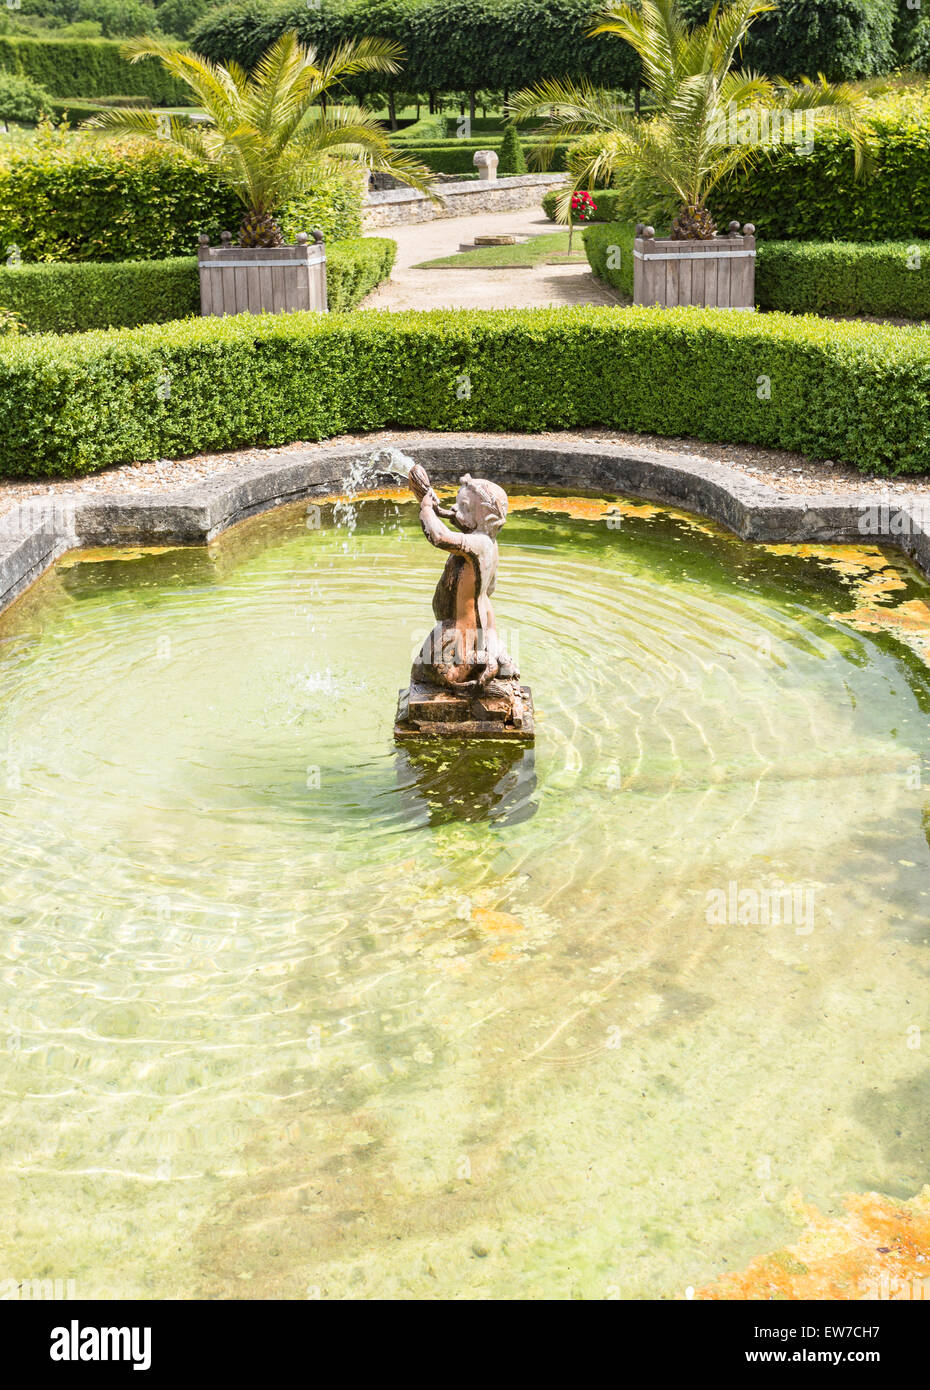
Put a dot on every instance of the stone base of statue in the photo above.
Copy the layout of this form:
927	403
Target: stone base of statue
501	709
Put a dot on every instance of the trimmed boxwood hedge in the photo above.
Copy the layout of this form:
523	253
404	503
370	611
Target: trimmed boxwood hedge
858	392
834	277
72	298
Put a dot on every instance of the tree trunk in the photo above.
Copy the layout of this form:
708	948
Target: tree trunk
432	104
392	110
471	107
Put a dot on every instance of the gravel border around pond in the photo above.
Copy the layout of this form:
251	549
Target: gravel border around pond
787	473
200	500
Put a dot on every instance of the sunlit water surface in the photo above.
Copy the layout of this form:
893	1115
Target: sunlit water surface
289	1012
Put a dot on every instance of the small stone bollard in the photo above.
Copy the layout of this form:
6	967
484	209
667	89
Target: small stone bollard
486	162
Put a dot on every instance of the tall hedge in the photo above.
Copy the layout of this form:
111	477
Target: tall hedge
89	68
817	197
488	44
843	39
72	405
495	44
118	203
72	298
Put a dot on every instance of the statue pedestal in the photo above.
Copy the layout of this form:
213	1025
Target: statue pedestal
502	709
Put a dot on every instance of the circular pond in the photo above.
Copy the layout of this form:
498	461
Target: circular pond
291	1011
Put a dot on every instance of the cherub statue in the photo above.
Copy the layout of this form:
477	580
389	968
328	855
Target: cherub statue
463	650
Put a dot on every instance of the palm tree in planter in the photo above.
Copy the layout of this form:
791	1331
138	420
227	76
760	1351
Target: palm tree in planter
269	134
706	120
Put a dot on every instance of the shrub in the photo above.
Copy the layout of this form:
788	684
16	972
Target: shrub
511	159
87	68
71	405
113	203
72	298
21	99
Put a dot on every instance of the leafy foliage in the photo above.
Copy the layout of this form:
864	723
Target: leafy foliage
21	99
499	44
816	196
885	278
118	203
708	120
889	278
843	39
267	139
72	405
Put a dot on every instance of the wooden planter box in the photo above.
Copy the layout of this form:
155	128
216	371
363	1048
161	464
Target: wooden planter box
262	280
719	273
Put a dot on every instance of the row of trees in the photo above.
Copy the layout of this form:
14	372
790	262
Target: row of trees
503	45
108	19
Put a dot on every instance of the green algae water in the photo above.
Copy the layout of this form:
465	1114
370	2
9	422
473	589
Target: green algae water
291	1012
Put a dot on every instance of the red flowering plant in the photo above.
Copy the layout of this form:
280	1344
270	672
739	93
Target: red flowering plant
583	206
581	209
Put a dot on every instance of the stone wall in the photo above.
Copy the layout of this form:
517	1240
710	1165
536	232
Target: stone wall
394	206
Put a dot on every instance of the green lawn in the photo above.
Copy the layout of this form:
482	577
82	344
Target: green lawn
550	249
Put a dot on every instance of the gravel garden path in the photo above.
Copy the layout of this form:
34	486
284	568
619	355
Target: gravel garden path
530	288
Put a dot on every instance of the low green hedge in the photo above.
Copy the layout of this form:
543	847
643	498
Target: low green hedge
834	277
354	268
62	297
860	392
72	298
837	277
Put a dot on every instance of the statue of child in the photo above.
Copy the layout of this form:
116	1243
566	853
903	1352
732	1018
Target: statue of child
463	650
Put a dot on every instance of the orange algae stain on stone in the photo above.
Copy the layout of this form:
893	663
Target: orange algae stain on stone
598	509
583	508
879	1250
910	622
489	920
